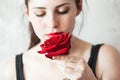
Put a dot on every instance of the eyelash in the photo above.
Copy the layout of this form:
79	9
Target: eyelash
60	13
64	12
40	15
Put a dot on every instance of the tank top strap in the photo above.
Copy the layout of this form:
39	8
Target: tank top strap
19	67
93	57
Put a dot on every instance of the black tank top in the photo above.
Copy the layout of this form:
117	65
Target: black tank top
91	62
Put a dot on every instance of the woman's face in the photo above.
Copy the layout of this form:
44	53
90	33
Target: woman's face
49	16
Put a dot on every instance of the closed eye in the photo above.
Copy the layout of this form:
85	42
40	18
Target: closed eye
63	12
40	15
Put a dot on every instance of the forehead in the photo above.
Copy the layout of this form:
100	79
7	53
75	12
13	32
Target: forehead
48	3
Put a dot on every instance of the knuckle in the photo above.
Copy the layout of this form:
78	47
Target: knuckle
82	60
83	68
79	77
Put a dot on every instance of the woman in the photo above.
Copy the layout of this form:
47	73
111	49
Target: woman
83	61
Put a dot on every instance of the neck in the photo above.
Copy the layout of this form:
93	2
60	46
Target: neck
75	47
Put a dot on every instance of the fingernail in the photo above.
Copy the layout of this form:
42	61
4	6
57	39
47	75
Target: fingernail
54	57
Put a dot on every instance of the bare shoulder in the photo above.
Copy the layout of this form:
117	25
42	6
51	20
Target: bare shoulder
8	71
109	63
109	52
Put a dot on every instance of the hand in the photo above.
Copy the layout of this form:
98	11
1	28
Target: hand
76	68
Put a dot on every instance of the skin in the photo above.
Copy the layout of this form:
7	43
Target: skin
56	17
48	16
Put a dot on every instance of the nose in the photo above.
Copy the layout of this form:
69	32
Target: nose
52	21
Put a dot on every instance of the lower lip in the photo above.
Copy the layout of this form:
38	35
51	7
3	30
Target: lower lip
55	33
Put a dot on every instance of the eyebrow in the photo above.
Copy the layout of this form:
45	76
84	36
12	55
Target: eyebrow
62	5
56	6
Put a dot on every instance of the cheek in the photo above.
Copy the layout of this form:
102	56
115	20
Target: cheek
68	23
39	27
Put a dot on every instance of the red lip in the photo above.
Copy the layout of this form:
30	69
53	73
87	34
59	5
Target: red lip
55	33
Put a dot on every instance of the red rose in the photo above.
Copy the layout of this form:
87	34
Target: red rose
57	44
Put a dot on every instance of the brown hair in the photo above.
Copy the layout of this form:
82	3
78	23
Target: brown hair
34	39
26	2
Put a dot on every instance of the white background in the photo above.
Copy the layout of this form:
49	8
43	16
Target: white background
101	24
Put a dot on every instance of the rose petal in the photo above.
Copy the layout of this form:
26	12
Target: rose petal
57	44
57	53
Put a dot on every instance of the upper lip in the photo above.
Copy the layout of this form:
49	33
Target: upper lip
54	33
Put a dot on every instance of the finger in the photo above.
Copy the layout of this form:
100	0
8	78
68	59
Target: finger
66	58
80	65
72	64
76	60
72	59
73	72
76	68
58	58
69	70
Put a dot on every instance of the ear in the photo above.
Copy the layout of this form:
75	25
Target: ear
79	7
26	10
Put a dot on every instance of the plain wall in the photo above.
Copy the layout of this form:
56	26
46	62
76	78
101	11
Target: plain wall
98	23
